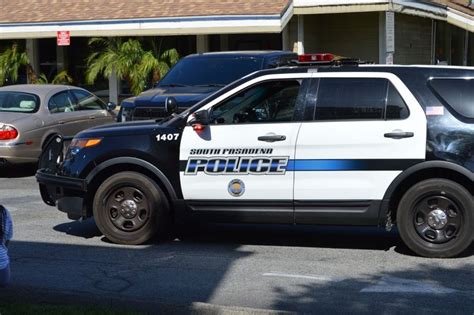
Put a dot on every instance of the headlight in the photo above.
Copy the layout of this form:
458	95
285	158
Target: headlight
78	144
126	113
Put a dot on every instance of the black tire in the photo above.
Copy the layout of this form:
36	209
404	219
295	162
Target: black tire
129	208
427	231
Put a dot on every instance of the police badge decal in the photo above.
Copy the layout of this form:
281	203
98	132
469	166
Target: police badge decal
236	188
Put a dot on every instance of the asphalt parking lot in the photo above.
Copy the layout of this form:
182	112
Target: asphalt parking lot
232	268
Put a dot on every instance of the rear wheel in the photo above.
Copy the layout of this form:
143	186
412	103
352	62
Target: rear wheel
129	208
435	218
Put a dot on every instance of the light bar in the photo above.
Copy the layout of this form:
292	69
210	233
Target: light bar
321	57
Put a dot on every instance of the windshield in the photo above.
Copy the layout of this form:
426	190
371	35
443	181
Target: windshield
18	102
210	71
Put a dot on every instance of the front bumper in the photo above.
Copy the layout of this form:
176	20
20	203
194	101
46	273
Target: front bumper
66	193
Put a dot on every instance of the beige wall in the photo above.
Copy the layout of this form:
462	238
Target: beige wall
348	34
412	40
357	35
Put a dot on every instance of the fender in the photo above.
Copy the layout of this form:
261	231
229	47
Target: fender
384	208
136	161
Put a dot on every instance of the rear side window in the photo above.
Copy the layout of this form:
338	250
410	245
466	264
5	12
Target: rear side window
396	107
18	102
62	103
358	99
456	93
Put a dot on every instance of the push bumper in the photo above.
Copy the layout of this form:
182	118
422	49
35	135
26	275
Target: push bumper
66	193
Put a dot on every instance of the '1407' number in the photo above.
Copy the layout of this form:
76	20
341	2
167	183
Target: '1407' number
167	137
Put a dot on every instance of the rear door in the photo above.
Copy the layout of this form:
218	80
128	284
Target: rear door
366	129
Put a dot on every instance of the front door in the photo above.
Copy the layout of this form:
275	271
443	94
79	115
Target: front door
239	162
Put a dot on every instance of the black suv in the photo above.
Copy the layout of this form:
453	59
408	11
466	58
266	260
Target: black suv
197	76
327	144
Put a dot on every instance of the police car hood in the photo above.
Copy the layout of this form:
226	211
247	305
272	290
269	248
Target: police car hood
185	96
121	129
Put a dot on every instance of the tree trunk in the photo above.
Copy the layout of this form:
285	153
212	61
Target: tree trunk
156	76
31	74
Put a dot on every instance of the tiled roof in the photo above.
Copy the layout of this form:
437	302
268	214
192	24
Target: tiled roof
464	6
16	11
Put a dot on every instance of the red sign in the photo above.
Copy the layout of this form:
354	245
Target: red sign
63	38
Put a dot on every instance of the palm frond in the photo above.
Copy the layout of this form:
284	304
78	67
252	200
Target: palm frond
62	77
42	79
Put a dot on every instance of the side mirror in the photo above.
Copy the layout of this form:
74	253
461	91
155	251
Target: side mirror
111	106
200	120
171	105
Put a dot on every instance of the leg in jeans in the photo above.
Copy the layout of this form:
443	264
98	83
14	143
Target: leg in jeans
4	276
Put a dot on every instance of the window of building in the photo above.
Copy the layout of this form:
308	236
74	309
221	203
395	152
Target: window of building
272	101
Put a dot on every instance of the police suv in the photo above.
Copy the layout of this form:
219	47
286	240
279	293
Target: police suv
335	143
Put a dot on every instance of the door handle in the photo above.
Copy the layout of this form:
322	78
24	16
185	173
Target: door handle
399	134
91	117
272	138
61	122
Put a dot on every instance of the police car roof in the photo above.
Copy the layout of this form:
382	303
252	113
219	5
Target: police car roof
236	54
424	70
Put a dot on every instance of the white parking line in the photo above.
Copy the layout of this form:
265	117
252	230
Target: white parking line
399	285
309	277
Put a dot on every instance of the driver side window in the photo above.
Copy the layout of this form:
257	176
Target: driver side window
272	101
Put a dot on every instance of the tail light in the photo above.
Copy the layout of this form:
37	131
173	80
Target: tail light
316	57
8	132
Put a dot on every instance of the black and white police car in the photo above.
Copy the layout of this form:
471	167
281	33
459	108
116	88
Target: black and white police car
335	143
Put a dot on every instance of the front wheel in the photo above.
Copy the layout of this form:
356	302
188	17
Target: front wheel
435	218
129	208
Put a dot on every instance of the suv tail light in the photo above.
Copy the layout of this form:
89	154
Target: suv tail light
8	132
315	57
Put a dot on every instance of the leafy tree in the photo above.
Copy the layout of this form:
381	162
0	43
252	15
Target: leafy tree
129	60
158	61
116	55
11	60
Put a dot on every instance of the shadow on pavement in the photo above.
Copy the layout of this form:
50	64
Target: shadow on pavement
363	238
16	171
84	229
169	277
172	277
426	289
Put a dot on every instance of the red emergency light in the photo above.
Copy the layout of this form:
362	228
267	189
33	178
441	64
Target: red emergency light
321	57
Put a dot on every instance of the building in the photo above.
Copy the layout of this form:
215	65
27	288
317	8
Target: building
383	31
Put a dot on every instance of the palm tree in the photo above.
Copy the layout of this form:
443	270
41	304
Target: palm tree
116	55
159	61
62	77
129	60
11	60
